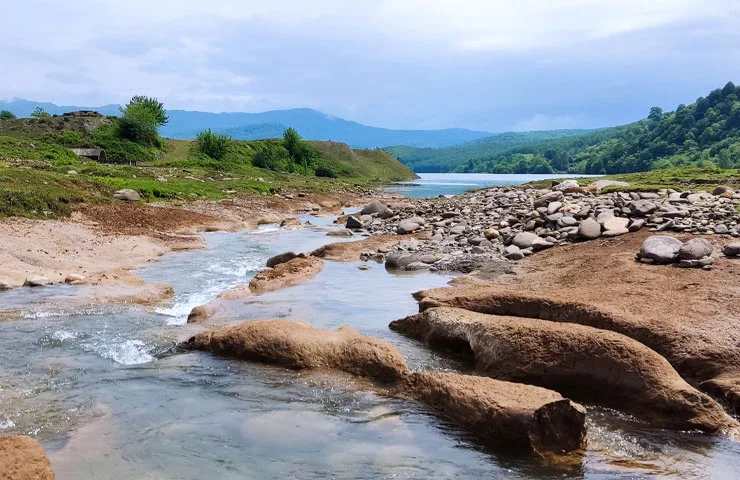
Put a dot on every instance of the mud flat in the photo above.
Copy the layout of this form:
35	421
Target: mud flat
516	414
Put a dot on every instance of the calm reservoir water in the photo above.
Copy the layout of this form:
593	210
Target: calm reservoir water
434	184
102	389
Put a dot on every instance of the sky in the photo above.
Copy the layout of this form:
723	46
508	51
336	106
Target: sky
489	65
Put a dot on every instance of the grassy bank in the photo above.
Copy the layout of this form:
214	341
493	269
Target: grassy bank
40	176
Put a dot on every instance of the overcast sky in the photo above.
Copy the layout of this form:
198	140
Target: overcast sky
493	65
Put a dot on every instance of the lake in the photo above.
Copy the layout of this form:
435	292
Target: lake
434	184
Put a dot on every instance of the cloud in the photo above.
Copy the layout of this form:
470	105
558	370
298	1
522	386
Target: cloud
399	63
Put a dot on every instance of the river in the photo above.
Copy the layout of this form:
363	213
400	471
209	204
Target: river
103	390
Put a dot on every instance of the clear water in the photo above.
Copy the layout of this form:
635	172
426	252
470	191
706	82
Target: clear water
435	184
101	388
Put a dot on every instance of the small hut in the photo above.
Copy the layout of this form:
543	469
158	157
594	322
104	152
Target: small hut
96	154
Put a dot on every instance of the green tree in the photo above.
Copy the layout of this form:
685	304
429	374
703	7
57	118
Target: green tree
141	119
656	113
212	144
6	115
40	113
291	141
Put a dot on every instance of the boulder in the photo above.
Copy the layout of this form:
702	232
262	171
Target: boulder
406	227
36	281
353	223
340	233
293	272
548	198
602	184
642	208
566	185
399	261
491	233
524	239
291	222
512	252
661	249
616	223
576	360
127	195
636	224
74	279
695	249
22	458
373	208
589	229
5	286
732	250
272	262
723	190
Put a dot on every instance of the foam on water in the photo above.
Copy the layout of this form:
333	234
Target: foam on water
128	352
6	424
63	335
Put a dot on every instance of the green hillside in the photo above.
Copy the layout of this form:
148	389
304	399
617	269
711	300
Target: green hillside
464	157
703	134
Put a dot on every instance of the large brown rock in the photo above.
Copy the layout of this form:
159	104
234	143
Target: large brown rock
296	345
512	414
503	412
689	317
287	274
22	458
582	362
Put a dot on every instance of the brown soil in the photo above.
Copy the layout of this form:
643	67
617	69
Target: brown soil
287	274
582	362
22	458
351	251
514	414
690	316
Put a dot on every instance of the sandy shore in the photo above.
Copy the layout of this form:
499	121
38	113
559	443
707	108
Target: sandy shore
101	244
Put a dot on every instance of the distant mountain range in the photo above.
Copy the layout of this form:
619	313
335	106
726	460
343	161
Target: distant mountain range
311	124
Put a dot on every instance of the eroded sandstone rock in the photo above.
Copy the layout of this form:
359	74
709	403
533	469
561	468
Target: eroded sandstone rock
582	362
287	274
22	458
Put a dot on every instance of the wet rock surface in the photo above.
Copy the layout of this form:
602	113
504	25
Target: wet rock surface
585	363
517	415
292	272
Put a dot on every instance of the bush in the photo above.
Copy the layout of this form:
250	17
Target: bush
141	119
273	157
6	115
40	113
108	137
213	144
324	171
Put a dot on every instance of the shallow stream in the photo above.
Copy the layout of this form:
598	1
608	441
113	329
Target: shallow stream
103	390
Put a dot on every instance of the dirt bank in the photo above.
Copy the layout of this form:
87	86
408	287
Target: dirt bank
582	362
502	412
22	458
351	251
689	316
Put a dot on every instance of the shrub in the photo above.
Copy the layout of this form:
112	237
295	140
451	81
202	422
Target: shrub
324	171
141	119
272	157
213	144
107	137
6	115
40	113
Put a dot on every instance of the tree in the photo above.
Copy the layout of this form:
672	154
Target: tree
6	115
656	113
291	141
213	144
40	113
141	119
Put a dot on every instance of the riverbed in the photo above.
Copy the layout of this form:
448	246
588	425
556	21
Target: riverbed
109	397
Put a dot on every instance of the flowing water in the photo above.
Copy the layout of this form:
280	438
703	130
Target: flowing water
109	398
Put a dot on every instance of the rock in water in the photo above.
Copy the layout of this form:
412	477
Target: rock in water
287	274
353	222
374	207
5	286
399	261
660	249
36	281
580	361
127	195
22	458
695	249
589	229
272	262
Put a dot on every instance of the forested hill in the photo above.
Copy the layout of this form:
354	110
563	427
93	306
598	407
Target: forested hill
466	157
704	133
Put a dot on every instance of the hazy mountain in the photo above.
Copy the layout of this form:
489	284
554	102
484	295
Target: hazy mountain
311	124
